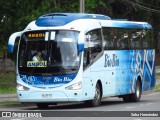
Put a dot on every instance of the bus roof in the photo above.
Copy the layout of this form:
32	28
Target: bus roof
60	19
126	24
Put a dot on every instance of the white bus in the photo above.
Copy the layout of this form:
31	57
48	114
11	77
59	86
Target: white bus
84	58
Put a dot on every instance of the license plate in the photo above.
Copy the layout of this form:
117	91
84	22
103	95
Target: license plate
46	95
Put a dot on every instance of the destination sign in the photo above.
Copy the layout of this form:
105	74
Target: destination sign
36	35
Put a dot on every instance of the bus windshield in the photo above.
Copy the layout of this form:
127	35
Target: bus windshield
48	52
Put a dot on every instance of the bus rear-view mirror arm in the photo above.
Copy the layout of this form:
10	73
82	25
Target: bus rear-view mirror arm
12	40
80	47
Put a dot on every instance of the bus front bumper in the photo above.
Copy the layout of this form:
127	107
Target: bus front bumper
24	96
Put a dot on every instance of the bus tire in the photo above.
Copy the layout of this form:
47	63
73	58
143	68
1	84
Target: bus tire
97	98
135	97
42	105
126	98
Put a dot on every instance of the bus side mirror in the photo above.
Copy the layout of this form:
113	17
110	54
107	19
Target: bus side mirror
12	40
80	48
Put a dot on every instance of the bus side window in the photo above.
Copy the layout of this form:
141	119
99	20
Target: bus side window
108	34
93	46
147	39
144	39
123	39
124	44
95	42
151	40
136	39
86	58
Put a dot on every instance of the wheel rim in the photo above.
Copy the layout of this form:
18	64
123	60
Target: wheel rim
138	91
97	94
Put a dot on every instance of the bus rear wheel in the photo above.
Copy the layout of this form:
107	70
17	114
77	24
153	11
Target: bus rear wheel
134	97
42	105
97	98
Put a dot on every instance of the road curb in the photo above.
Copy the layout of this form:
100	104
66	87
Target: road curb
151	91
8	96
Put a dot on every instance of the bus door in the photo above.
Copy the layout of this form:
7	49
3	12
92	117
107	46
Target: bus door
93	46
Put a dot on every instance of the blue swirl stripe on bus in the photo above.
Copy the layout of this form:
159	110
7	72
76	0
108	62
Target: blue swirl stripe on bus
139	63
49	80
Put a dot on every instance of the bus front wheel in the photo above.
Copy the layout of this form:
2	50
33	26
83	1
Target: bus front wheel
42	105
97	98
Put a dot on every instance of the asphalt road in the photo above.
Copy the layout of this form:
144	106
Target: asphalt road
149	102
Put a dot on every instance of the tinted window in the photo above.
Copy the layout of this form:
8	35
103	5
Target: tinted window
118	38
93	45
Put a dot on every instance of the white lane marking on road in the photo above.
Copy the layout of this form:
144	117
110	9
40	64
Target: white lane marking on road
149	103
141	104
19	118
110	110
130	107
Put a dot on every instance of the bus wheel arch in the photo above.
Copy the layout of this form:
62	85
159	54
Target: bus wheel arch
135	97
96	101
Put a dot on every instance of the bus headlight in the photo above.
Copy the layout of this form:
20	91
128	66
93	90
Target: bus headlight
75	86
21	87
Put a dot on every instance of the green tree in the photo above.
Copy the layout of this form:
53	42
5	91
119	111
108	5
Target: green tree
18	13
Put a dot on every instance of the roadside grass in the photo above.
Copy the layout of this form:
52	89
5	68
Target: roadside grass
7	83
158	74
9	103
8	90
157	87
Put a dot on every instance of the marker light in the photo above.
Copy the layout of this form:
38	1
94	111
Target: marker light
75	86
21	87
